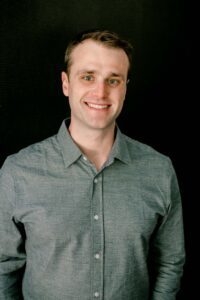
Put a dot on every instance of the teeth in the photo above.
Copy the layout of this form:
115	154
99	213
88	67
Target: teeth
97	106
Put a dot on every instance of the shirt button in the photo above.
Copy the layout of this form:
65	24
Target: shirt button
96	294
85	158
97	256
96	180
96	217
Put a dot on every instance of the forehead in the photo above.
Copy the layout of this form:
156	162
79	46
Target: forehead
92	54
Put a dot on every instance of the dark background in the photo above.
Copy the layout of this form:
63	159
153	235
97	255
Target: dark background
158	109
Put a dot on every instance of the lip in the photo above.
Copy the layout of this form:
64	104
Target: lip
97	106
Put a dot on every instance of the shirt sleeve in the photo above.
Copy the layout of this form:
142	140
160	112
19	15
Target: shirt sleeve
168	246
12	254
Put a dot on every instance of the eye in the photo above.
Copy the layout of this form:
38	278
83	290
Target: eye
88	77
113	82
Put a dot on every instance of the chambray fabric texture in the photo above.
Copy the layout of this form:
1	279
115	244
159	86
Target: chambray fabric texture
68	232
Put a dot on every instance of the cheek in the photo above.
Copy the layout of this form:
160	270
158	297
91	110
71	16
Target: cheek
73	93
77	90
75	96
122	95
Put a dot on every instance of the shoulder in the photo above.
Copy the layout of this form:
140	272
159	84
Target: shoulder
139	149
32	156
146	156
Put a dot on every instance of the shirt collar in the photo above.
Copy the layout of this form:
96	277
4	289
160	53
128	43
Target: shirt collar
70	150
72	153
120	149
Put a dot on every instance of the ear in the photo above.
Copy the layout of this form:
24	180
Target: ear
65	83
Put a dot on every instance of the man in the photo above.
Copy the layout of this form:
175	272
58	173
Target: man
90	213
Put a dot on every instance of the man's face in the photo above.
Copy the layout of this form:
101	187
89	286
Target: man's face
96	85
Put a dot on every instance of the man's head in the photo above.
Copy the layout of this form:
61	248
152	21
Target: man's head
106	38
95	80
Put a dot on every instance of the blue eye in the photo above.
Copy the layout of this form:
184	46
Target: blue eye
113	82
88	78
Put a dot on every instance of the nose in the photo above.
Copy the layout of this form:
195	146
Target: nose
100	90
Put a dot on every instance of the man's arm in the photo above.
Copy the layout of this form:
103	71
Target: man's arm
168	247
12	254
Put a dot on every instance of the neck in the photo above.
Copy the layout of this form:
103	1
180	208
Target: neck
95	144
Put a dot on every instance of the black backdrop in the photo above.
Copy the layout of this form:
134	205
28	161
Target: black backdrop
33	37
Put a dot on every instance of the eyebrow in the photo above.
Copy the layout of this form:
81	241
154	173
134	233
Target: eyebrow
113	74
86	71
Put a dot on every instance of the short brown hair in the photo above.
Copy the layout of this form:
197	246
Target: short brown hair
106	37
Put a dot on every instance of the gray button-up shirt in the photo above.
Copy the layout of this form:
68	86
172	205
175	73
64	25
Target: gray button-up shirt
68	232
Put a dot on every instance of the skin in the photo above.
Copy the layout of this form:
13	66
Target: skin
96	89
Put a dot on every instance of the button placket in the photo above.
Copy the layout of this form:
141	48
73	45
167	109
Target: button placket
97	237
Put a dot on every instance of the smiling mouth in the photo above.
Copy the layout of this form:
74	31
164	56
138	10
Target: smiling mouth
97	106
